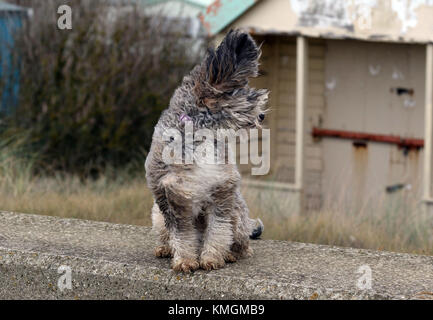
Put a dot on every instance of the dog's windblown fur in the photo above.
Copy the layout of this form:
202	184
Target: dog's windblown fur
199	212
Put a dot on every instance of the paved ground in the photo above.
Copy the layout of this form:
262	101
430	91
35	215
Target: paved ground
110	261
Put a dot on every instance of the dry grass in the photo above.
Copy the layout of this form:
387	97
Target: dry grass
101	200
115	197
392	223
395	224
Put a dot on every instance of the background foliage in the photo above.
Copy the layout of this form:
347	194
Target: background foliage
90	96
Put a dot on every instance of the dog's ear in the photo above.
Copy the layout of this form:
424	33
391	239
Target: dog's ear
235	60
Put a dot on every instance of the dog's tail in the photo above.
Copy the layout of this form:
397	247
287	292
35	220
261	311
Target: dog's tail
257	228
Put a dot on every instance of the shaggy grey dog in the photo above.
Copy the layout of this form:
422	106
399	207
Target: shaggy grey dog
199	212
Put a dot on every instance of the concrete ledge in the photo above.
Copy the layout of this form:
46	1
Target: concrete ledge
110	261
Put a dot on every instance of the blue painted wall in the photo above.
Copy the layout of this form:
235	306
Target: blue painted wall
10	22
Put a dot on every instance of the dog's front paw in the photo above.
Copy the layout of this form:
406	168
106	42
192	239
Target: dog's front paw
249	252
211	263
230	258
163	252
185	265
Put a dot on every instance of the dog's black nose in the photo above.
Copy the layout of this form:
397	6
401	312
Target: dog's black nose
262	116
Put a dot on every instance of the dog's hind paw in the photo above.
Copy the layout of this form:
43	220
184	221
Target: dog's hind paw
163	252
211	263
185	265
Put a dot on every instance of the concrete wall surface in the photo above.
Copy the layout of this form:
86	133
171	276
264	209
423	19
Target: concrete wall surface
51	258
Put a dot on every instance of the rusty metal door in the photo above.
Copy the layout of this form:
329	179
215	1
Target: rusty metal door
375	89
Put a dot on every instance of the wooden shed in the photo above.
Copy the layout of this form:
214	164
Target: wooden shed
351	95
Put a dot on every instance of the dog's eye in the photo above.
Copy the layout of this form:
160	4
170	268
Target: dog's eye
262	116
171	139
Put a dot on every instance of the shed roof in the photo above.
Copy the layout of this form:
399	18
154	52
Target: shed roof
197	3
373	20
221	13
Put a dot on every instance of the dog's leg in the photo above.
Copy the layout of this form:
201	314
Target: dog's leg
158	226
184	242
218	237
183	237
241	229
